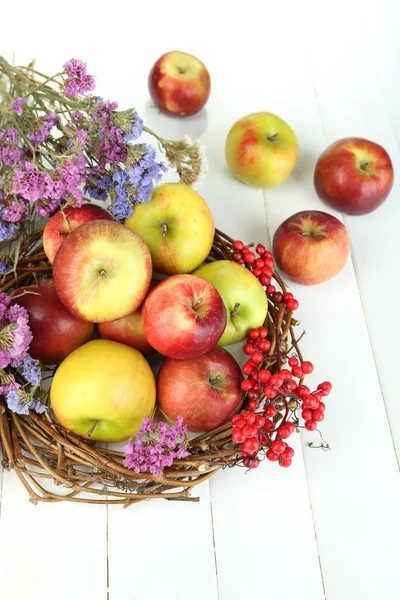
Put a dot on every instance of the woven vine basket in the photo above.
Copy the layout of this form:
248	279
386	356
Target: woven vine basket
43	453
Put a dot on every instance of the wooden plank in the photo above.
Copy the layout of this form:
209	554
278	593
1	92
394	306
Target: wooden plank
52	549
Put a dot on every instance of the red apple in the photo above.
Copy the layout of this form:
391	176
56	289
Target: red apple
183	317
354	176
128	330
56	332
60	225
204	390
179	84
311	247
102	271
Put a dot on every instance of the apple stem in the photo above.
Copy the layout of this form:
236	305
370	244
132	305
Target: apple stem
92	427
103	274
365	166
233	316
273	137
197	304
164	229
215	379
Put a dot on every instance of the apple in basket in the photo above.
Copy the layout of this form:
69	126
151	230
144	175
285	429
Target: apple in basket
183	317
177	226
102	271
103	390
205	390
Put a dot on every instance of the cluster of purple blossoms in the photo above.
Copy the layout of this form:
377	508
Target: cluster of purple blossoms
16	336
17	105
109	145
155	446
136	131
135	186
14	332
10	153
46	125
8	231
78	81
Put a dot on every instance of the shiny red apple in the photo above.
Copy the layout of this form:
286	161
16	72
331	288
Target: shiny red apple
310	247
128	330
179	83
183	317
354	176
56	332
204	390
60	225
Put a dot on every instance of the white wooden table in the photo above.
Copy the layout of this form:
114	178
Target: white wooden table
330	525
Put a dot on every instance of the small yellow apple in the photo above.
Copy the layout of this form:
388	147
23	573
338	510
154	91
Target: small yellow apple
103	390
177	227
261	150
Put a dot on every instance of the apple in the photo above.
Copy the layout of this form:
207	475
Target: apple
311	247
205	390
177	226
179	84
244	298
354	176
261	150
128	330
102	271
60	225
103	390
183	317
56	332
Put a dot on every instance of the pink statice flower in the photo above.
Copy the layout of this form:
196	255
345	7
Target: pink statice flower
41	134
15	332
17	105
155	446
78	81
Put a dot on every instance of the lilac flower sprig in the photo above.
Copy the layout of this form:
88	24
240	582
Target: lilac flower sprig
20	374
155	446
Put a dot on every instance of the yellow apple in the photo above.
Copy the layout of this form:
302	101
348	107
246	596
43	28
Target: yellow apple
177	227
243	295
103	390
261	150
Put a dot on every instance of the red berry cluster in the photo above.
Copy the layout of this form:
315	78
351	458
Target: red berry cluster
276	396
262	268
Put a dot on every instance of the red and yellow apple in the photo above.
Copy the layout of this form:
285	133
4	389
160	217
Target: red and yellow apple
103	390
128	330
311	247
354	176
204	390
56	332
60	225
183	317
179	84
177	226
102	271
242	294
261	150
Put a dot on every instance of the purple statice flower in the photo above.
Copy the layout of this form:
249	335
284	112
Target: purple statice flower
78	81
15	404
136	131
10	153
109	146
4	267
8	231
31	370
9	387
45	208
155	446
143	173
120	207
30	183
81	136
16	212
47	123
18	105
73	176
20	334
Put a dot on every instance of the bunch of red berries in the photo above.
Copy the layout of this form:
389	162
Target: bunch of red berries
278	397
262	268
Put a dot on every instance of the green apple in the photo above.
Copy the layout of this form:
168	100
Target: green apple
244	297
261	150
